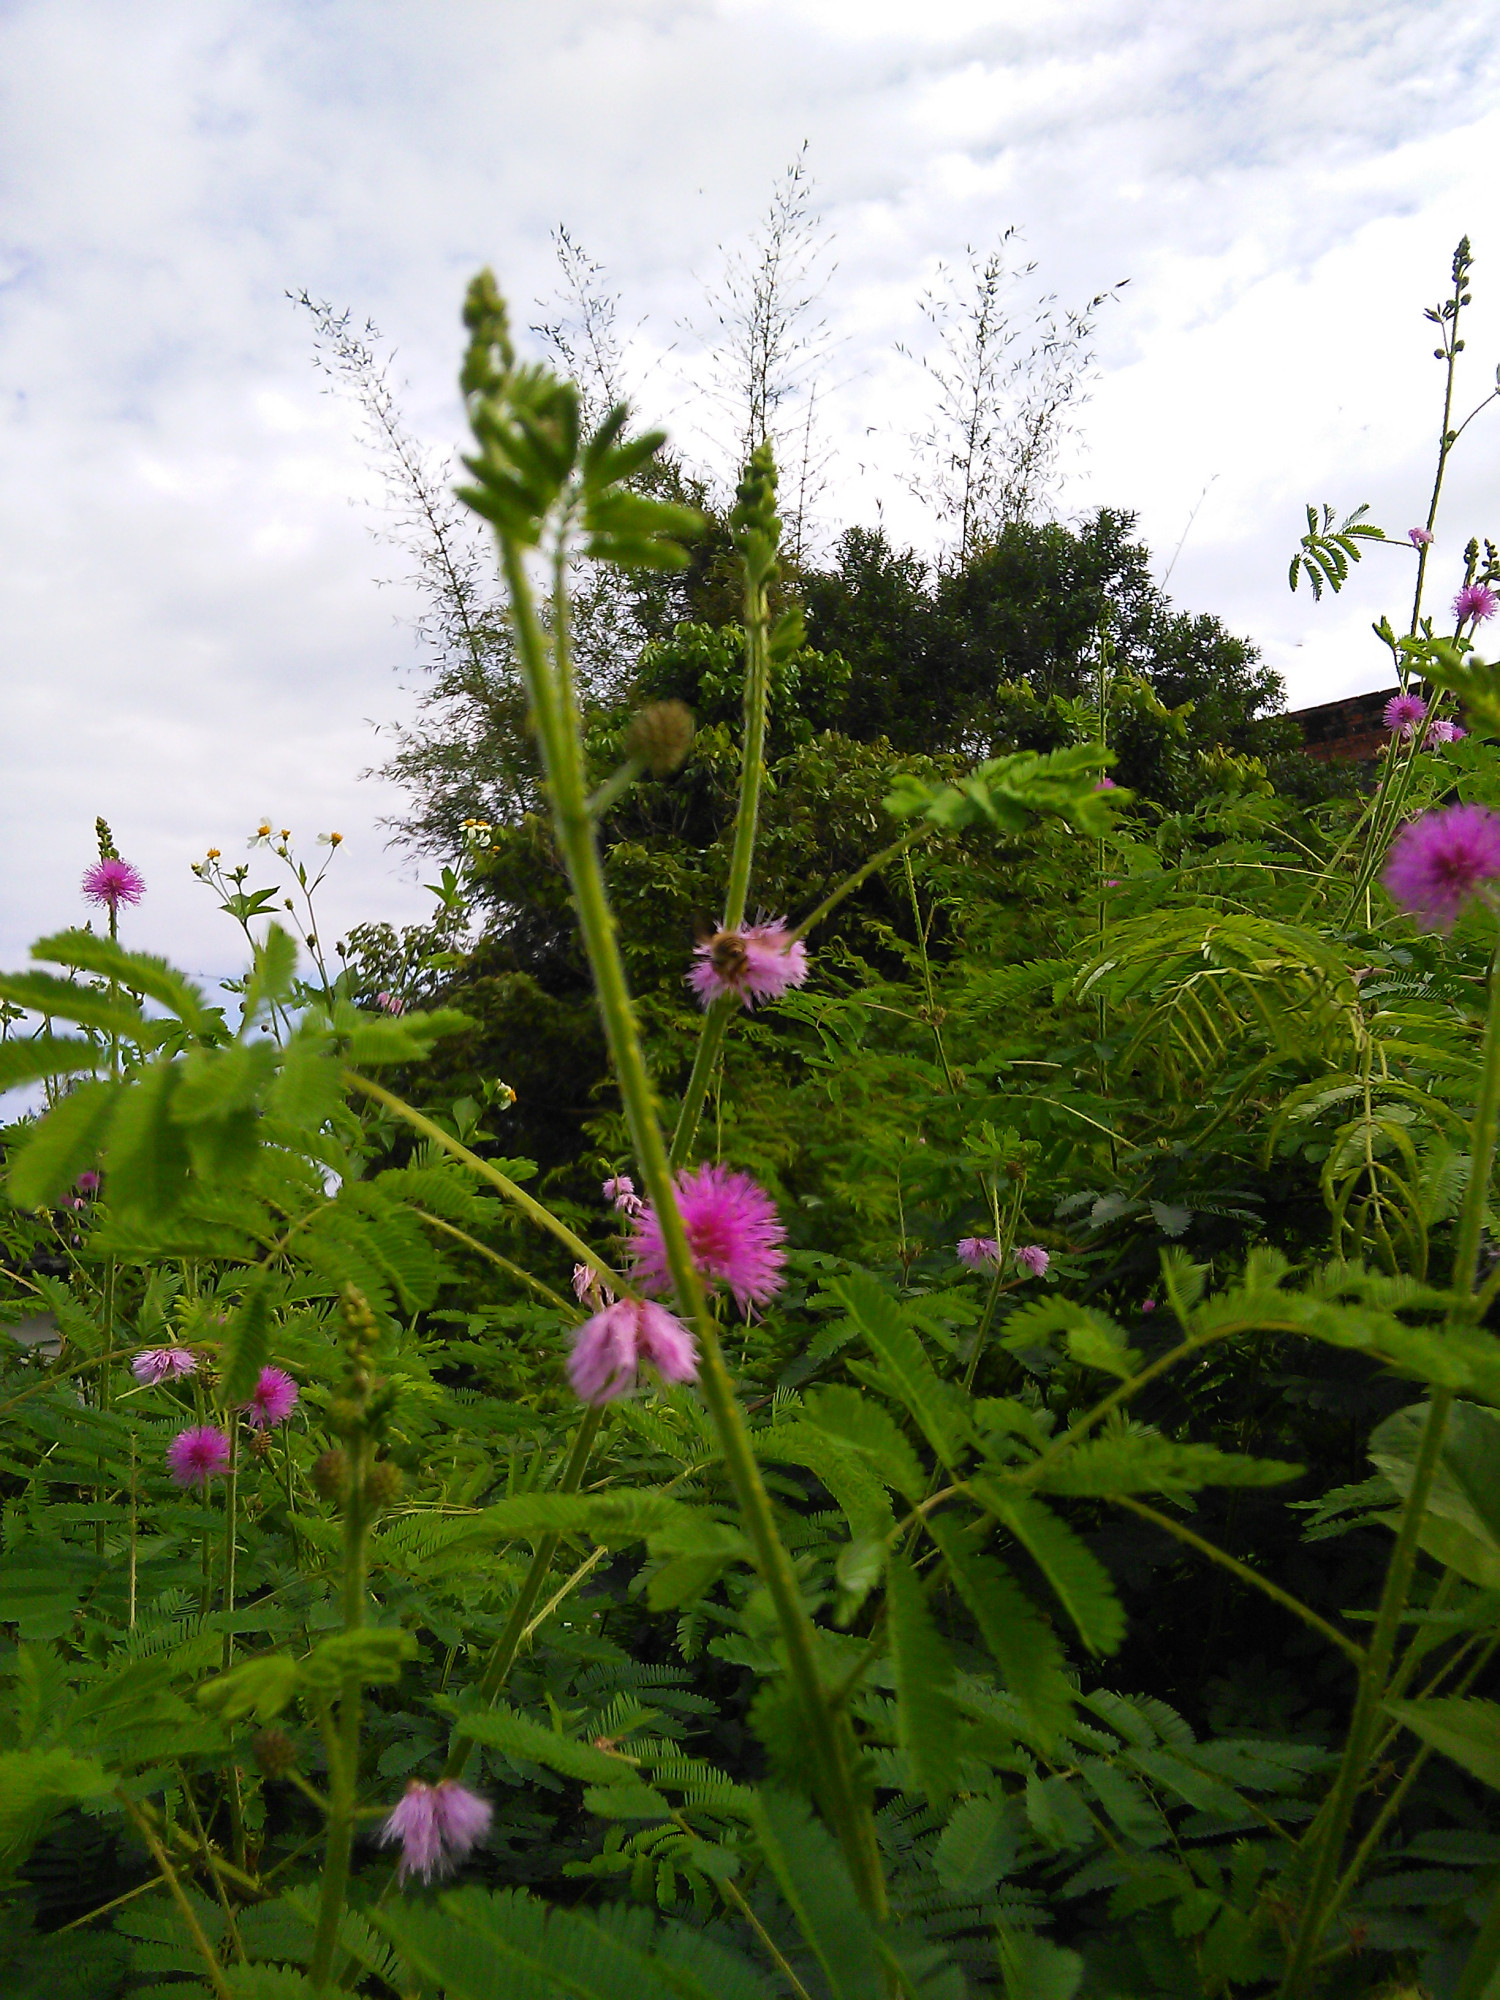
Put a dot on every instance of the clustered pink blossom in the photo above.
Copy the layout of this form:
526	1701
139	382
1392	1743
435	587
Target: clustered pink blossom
610	1350
589	1288
620	1193
1419	538
1105	784
733	1231
1444	731
1405	713
753	964
1440	862
272	1400
111	882
1476	601
390	1003
1033	1258
162	1364
195	1456
436	1826
87	1182
978	1251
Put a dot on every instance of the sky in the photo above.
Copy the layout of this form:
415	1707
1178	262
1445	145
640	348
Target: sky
199	624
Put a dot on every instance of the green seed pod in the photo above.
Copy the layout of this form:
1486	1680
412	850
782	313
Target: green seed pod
384	1482
330	1475
274	1752
660	736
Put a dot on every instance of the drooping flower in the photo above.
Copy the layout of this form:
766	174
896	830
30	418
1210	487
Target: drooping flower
436	1826
1405	714
733	1231
752	964
390	1003
589	1288
610	1350
111	882
1033	1258
272	1400
1440	862
1419	538
463	1818
195	1456
1444	731
978	1251
162	1364
620	1193
1476	601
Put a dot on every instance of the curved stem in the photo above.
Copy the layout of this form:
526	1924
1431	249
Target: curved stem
710	1042
501	1263
175	1890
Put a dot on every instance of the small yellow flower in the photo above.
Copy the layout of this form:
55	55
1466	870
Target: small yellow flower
213	854
286	833
334	839
263	829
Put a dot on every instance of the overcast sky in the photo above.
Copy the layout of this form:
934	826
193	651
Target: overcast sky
191	627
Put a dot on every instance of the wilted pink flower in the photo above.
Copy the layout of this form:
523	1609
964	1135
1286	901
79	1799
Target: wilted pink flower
733	1232
610	1350
754	964
1476	601
1404	713
1418	537
1440	862
87	1182
111	882
272	1400
162	1364
390	1003
1444	731
620	1192
436	1826
589	1288
978	1251
195	1456
1033	1258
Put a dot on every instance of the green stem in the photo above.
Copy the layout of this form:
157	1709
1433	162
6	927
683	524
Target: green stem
710	1041
1484	1959
503	1653
231	1524
342	1738
858	879
927	987
175	1890
753	754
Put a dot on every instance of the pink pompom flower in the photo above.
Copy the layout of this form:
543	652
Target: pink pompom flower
162	1364
733	1231
1105	784
111	882
1444	731
1031	1257
1148	1305
1440	862
272	1400
87	1182
1404	714
750	965
619	1192
978	1252
1419	538
436	1827
1476	601
610	1350
195	1456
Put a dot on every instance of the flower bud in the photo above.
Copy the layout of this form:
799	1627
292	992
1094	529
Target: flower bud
660	736
384	1482
330	1475
274	1752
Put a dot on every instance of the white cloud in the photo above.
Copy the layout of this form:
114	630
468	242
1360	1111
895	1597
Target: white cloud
188	626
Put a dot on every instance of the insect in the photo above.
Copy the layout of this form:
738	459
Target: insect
727	954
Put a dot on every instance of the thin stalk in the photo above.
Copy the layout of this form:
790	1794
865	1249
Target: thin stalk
710	1042
342	1737
208	1862
753	753
231	1525
501	1263
503	1653
175	1890
927	987
858	879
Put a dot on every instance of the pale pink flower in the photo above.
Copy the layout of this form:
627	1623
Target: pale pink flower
162	1364
620	1192
589	1288
436	1826
610	1350
390	1003
111	882
978	1251
1033	1258
752	964
1476	601
195	1456
1404	713
1419	538
1444	731
272	1400
733	1231
1105	784
1440	862
1148	1305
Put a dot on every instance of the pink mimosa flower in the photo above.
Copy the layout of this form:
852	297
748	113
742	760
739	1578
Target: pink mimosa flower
436	1826
610	1350
162	1364
390	1003
1105	784
620	1193
1476	601
1148	1305
1419	538
87	1182
1404	713
272	1400
111	882
733	1231
1033	1258
195	1456
753	964
589	1288
1444	731
978	1251
1440	862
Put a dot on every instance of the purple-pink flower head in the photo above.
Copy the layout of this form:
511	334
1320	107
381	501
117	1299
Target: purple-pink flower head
733	1231
978	1252
162	1364
620	1193
272	1400
589	1288
1419	538
1405	714
1031	1257
1105	784
610	1350
111	882
754	964
87	1182
1444	731
390	1003
436	1827
1476	601
1440	862
195	1456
